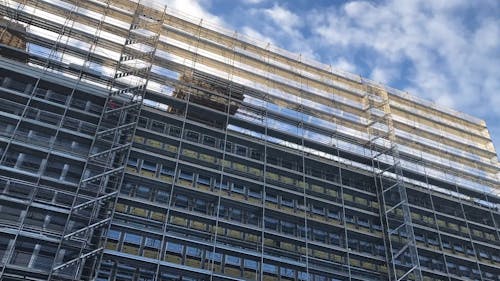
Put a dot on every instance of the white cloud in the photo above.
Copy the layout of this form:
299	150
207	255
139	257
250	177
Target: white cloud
283	18
444	51
343	64
254	34
197	9
447	59
253	1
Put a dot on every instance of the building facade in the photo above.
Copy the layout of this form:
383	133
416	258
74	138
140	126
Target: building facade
137	143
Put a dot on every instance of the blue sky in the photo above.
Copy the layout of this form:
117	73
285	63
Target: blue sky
444	51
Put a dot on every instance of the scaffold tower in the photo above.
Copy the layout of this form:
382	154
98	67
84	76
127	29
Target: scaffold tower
399	237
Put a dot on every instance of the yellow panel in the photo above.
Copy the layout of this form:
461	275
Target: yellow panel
415	216
271	205
255	171
320	254
348	197
272	176
441	223
184	182
249	274
287	246
240	167
157	216
193	263
207	158
173	259
355	262
198	225
154	143
269	242
190	153
287	180
171	148
234	233
111	245
139	211
130	250
332	192
368	265
119	207
361	201
252	238
166	178
254	200
301	184
317	188
178	221
453	226
464	229
203	186
147	173
375	204
131	169
232	271
138	139
150	253
221	230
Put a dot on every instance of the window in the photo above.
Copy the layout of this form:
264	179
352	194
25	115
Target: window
287	272
287	202
288	228
254	193
238	188
192	136
204	179
269	268
132	161
250	264
222	185
150	166
132	238
114	234
143	192
255	154
192	251
200	206
233	260
186	175
208	140
272	198
271	223
228	147
162	196
174	247
319	235
236	214
157	126
152	243
181	201
175	131
241	150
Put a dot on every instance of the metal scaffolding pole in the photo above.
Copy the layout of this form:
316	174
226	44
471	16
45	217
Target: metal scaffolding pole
399	238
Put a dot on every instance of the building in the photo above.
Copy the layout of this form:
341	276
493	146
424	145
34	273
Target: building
137	143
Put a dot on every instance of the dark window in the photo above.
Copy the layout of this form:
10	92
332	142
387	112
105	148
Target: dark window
208	140
175	131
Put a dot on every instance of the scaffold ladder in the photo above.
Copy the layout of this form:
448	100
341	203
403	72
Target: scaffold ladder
104	170
399	237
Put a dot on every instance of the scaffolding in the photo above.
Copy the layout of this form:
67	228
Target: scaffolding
109	152
399	238
90	212
221	73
